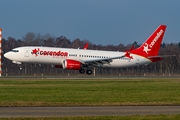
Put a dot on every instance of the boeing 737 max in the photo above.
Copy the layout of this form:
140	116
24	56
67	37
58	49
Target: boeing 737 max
84	60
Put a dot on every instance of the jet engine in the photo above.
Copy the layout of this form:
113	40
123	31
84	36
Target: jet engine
71	64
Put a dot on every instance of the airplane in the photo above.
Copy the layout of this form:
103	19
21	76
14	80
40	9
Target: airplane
85	60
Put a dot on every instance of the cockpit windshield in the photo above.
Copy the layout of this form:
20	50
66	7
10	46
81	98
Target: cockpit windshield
14	50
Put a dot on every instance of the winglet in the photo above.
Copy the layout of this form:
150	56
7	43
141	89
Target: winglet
128	52
85	46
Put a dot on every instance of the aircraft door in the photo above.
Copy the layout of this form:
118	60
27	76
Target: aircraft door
137	60
26	52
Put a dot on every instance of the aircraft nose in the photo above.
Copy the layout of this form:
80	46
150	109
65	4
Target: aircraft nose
7	55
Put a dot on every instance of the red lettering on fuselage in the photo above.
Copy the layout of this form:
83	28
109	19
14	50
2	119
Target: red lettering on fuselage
50	53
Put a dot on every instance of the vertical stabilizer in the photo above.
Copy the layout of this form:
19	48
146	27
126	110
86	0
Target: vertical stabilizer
152	45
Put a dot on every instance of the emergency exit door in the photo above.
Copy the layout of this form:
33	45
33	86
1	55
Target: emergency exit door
26	52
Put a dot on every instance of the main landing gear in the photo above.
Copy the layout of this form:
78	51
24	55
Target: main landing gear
20	67
88	72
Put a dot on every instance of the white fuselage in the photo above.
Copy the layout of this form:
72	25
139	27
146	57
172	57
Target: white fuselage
55	56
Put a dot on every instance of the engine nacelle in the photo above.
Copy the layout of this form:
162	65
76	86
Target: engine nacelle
71	64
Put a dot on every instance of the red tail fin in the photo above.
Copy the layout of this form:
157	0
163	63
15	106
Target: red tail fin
152	45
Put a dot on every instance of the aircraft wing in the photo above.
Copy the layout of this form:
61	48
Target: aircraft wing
100	62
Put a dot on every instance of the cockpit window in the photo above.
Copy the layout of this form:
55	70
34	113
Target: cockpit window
14	50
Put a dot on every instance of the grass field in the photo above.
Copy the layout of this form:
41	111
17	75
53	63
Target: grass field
30	92
51	92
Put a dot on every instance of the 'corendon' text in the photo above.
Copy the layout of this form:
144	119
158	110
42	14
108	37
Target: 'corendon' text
53	53
156	38
37	52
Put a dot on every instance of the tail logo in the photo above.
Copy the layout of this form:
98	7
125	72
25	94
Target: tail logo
146	49
147	46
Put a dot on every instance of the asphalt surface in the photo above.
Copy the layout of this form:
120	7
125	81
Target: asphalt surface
87	111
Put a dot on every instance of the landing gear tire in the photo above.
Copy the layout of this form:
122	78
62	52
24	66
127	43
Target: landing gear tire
20	68
88	72
82	71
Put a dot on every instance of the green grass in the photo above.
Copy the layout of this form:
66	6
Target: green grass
29	92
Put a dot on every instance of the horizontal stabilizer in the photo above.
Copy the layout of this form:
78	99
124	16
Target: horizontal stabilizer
158	58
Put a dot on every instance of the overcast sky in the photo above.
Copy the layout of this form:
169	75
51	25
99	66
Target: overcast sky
98	21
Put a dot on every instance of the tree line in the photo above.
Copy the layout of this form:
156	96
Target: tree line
168	66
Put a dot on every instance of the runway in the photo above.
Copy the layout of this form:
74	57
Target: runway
87	111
